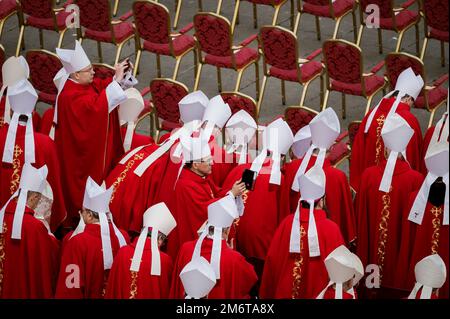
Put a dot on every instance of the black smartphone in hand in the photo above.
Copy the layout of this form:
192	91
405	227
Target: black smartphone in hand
248	177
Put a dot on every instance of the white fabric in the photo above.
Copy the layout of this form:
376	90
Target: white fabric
80	227
96	197
115	95
313	240
192	106
198	278
106	241
302	141
2	211
8	152
139	250
128	136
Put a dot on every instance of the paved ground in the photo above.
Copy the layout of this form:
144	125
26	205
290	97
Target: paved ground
272	105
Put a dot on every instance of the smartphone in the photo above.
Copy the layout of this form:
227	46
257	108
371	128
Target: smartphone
128	65
248	177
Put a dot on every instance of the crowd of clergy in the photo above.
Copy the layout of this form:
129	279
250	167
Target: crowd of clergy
220	207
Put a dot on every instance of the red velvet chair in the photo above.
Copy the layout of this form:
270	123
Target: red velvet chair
43	15
298	116
43	67
276	4
103	70
394	19
280	48
239	101
166	93
8	8
214	37
179	3
335	10
436	25
152	22
95	18
431	97
344	73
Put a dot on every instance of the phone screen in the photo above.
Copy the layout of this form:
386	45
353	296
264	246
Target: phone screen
248	177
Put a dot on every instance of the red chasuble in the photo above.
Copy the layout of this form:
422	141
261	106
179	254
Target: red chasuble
237	276
47	121
126	284
379	217
45	154
338	197
29	266
298	276
84	250
87	138
368	148
138	139
223	163
259	222
420	241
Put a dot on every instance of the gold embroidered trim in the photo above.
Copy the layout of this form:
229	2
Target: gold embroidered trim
383	231
123	174
17	168
133	285
436	211
2	254
2	121
378	143
297	270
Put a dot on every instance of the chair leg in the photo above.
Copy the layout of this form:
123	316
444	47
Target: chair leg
261	95
321	89
344	107
99	50
116	7
177	66
355	32
255	16
442	54
292	14
360	33
136	64
275	15
219	6
430	122
197	77
238	80
296	23
399	41
380	41
257	79
41	39
305	90
61	37
369	102
195	62
19	42
325	99
424	48
318	28
336	27
158	65
177	13
283	92
119	50
235	16
219	80
416	26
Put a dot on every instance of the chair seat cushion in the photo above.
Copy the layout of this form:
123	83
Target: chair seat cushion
181	44
7	7
373	83
243	57
308	71
47	98
47	23
122	31
439	34
338	152
435	97
404	19
340	8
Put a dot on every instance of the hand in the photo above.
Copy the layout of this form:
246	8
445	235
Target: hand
238	188
120	70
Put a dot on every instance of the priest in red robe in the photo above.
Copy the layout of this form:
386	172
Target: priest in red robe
368	146
28	252
19	144
294	267
87	134
88	255
140	270
235	276
380	204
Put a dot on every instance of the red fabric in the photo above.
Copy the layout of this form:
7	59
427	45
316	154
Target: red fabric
278	278
121	32
435	97
103	71
417	242
353	129
181	44
48	23
338	198
238	102
35	116
338	152
147	286
29	265
371	205
440	35
43	68
39	8
343	62
372	83
242	57
223	163
279	47
298	117
385	6
307	72
165	98
7	7
95	15
436	15
152	22
85	251
402	20
138	139
213	35
257	226
87	138
45	154
364	147
340	7
266	2
47	121
237	276
397	63
47	98
331	294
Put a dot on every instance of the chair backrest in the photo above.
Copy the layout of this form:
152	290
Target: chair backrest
298	116
343	61
385	6
2	60
38	8
43	67
317	2
353	128
95	15
166	94
266	2
213	34
103	71
238	101
436	14
152	21
396	63
279	47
